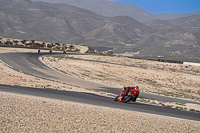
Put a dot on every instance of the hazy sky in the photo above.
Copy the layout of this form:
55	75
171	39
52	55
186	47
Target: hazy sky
165	6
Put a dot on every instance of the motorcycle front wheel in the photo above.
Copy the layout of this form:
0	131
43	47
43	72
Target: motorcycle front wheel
134	98
116	98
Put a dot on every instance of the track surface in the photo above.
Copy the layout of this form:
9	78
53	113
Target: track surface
28	63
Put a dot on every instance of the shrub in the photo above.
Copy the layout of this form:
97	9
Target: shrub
110	52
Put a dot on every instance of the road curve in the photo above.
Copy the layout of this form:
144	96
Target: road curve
28	63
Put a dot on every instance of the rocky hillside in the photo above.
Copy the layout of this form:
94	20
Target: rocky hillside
179	37
190	23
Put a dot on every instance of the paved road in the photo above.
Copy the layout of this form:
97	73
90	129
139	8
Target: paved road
92	99
28	63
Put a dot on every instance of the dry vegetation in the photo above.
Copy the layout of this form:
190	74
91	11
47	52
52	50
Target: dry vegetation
20	113
39	44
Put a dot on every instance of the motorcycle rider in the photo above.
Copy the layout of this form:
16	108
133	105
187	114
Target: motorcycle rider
137	90
128	89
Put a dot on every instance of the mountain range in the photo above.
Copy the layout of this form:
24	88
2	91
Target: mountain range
109	8
55	22
66	23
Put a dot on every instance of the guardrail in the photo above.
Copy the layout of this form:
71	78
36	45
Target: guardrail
191	63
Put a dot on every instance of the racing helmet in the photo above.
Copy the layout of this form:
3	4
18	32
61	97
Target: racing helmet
137	87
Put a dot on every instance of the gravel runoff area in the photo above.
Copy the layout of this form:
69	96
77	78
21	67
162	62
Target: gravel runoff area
21	113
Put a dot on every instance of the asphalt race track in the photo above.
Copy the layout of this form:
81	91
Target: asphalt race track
29	63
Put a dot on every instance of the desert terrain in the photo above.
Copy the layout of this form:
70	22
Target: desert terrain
21	113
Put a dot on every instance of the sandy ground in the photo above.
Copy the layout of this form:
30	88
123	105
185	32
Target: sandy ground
20	113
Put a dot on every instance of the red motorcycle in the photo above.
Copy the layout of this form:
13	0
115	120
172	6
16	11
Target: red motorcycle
128	94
